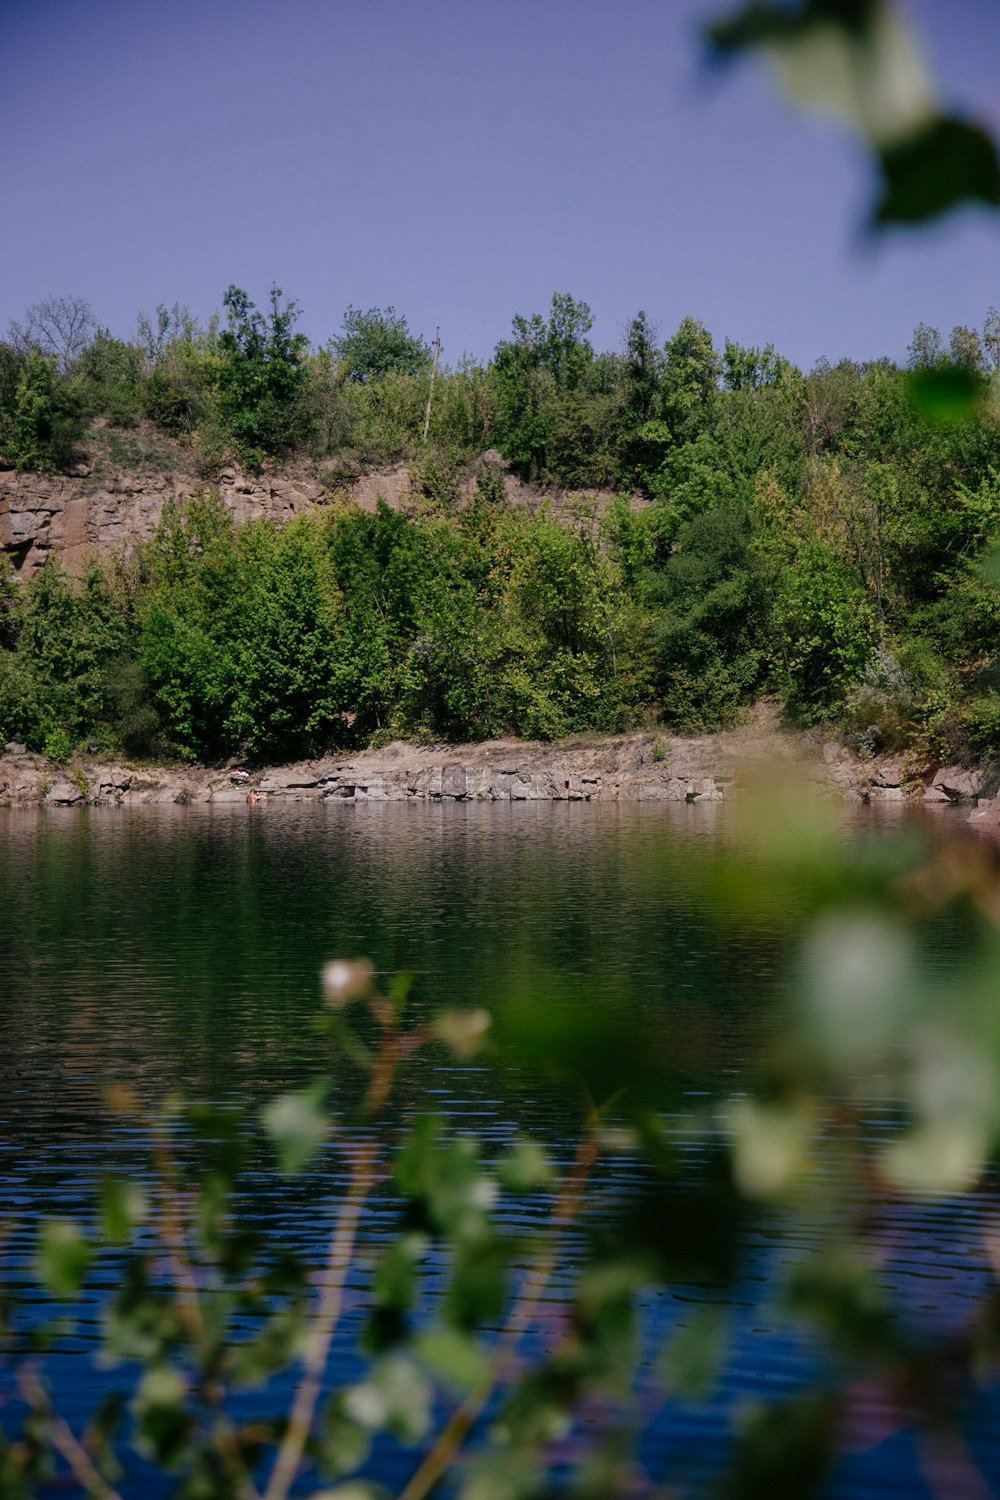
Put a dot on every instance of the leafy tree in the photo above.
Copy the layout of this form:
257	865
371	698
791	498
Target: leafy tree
927	348
66	638
45	425
168	325
292	674
711	635
377	342
262	377
642	437
752	369
106	379
534	372
690	380
189	623
11	365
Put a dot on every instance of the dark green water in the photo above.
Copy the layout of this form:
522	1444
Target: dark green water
179	949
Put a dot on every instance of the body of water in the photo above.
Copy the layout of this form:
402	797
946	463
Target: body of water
179	950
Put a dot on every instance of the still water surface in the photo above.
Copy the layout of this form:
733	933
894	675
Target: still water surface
179	950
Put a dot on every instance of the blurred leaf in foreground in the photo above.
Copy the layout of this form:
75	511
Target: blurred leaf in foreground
64	1256
858	61
297	1125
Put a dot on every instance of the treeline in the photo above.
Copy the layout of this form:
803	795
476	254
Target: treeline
650	418
824	537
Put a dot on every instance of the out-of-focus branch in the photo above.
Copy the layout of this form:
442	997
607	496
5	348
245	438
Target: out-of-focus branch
289	1456
63	1439
446	1449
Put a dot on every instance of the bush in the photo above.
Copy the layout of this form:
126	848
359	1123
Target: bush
106	379
262	380
713	617
45	427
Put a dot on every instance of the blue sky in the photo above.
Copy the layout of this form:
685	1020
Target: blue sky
462	160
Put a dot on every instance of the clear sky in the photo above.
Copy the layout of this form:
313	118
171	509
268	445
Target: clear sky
463	160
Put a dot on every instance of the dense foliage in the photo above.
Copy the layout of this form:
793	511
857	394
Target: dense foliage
821	537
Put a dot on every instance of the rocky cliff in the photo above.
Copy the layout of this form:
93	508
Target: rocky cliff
115	498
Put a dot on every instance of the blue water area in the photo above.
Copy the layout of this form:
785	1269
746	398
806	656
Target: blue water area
178	951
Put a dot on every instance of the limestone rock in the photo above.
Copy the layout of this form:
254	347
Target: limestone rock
933	795
986	815
957	783
64	794
454	781
890	772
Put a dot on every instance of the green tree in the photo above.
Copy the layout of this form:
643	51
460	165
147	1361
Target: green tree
545	366
711	635
106	379
690	380
45	425
291	670
642	436
189	621
376	342
262	377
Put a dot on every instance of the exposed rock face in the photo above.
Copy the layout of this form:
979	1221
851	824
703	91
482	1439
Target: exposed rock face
64	794
500	773
100	509
77	519
627	768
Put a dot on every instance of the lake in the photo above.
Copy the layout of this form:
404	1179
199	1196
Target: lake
178	950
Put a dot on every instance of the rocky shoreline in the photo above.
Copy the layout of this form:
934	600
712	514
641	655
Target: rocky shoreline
626	768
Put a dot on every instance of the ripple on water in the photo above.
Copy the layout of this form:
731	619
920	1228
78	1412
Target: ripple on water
179	950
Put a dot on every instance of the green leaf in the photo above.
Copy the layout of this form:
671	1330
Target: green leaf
64	1257
837	1290
478	1290
102	1431
341	1444
502	1476
938	168
525	1167
399	991
46	1335
396	1397
277	1344
123	1206
446	1179
784	1449
946	395
163	1425
395	1278
693	1359
454	1358
297	1124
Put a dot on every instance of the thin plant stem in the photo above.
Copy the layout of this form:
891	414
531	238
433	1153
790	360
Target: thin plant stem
172	1232
324	1324
438	1460
63	1439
